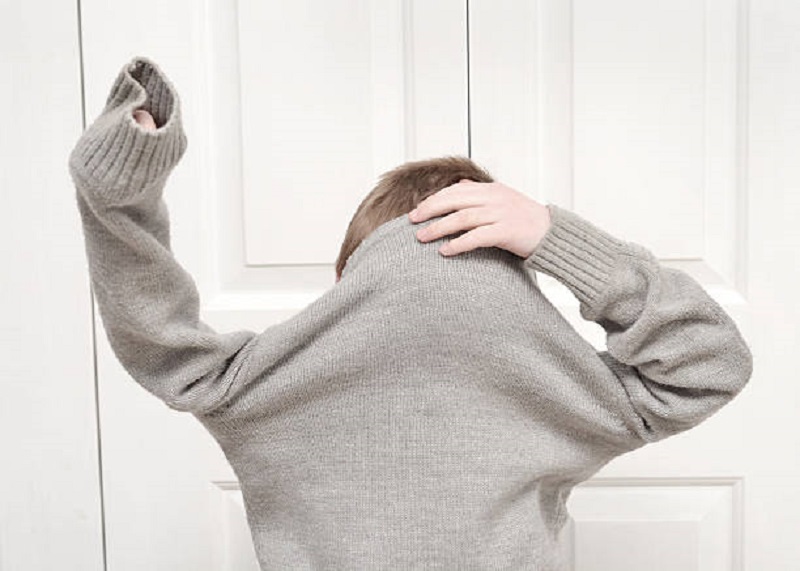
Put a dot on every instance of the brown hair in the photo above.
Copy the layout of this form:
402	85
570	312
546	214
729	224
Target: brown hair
399	190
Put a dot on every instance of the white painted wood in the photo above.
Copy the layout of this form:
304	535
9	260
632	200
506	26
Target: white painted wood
308	119
50	512
234	550
436	78
504	79
347	101
656	525
672	125
770	444
431	121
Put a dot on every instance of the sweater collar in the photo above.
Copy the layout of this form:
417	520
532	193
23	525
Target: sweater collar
395	238
393	252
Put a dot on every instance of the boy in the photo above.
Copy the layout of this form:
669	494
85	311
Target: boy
429	410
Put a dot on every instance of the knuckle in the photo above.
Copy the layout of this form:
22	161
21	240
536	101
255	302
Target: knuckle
470	216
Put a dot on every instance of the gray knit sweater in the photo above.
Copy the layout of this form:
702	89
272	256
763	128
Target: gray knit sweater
425	411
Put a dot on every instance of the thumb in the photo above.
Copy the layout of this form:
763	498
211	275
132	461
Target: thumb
144	119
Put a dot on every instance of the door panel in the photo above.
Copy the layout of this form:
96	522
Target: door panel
50	503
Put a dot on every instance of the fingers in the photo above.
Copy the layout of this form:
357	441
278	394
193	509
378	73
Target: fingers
454	197
466	203
482	236
144	119
465	219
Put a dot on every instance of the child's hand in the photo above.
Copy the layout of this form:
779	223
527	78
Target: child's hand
145	119
494	214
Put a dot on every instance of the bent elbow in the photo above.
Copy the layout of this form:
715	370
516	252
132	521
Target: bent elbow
743	367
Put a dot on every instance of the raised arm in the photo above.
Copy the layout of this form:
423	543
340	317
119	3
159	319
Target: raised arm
148	303
673	354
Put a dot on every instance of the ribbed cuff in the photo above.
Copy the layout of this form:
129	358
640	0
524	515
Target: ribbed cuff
579	254
116	156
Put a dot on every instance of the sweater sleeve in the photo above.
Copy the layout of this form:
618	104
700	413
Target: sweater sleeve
148	303
674	356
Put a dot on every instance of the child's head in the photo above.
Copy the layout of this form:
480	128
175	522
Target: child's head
399	190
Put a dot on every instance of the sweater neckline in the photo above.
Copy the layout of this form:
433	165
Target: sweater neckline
380	234
384	249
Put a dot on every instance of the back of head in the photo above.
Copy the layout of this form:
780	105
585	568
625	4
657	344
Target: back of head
399	190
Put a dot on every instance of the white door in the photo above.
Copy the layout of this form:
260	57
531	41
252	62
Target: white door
674	125
666	123
50	504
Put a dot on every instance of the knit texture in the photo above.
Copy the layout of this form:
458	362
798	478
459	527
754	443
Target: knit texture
425	411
